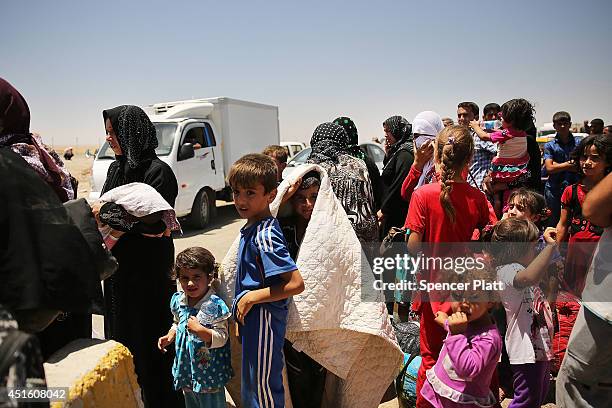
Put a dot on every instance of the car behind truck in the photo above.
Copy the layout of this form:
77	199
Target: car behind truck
200	139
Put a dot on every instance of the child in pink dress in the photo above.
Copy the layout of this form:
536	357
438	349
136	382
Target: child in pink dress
463	372
509	168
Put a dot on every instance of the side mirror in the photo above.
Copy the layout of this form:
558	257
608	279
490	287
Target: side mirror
186	152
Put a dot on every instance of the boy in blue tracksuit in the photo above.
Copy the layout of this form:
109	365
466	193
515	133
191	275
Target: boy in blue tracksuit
266	277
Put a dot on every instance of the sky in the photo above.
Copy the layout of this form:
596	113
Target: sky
315	60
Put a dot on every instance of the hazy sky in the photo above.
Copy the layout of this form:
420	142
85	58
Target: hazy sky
315	60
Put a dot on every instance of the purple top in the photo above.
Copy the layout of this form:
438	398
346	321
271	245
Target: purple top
462	374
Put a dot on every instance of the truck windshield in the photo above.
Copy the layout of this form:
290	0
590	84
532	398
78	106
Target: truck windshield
165	139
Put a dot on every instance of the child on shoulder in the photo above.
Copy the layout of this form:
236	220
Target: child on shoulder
529	327
202	365
510	168
593	158
463	372
266	277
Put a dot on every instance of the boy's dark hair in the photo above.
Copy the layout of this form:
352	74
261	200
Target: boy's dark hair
253	169
310	179
603	144
511	239
471	106
277	152
195	258
534	201
518	112
597	124
562	116
491	108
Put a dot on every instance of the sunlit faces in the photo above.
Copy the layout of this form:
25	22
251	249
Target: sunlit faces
253	202
111	138
591	162
303	201
194	282
464	116
562	126
520	211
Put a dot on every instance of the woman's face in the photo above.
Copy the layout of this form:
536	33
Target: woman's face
111	138
389	136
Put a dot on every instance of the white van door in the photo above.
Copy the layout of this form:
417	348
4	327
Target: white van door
201	170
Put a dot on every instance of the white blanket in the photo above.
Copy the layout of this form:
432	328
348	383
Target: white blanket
139	200
329	321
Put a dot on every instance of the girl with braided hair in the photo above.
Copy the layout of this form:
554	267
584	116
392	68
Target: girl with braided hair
433	217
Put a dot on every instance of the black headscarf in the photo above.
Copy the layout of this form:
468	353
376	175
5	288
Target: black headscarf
401	130
351	131
328	142
135	132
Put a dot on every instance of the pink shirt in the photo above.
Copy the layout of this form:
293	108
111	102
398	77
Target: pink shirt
462	374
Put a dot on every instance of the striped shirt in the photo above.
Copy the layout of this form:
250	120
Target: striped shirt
262	257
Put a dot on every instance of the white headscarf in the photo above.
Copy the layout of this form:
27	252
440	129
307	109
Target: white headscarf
426	126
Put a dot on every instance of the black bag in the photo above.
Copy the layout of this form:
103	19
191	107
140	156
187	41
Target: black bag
21	363
80	213
408	337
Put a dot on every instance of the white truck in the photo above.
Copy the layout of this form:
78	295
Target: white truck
200	139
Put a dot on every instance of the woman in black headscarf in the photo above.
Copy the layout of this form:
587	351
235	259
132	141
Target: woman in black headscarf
137	295
348	176
355	151
398	159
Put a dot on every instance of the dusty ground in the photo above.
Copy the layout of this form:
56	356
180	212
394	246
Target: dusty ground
79	167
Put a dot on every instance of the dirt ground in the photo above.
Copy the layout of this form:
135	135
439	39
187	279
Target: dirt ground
80	167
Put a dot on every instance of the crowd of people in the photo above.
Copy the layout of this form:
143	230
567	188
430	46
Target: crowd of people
477	181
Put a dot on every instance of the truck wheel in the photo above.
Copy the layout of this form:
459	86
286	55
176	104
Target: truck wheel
203	209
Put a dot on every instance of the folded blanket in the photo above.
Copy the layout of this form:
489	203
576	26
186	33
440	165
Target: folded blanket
330	321
138	200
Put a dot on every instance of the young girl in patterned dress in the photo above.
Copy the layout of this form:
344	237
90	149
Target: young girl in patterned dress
510	168
202	365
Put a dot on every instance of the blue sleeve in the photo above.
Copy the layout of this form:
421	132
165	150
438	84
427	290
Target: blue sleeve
548	151
273	250
222	309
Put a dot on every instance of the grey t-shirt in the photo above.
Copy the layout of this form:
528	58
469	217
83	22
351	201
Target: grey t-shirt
597	294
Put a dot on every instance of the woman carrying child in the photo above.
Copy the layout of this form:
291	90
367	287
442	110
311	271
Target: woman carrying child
529	317
202	365
593	159
462	375
432	218
509	168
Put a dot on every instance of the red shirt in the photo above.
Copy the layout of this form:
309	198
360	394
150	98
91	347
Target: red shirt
584	235
427	217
